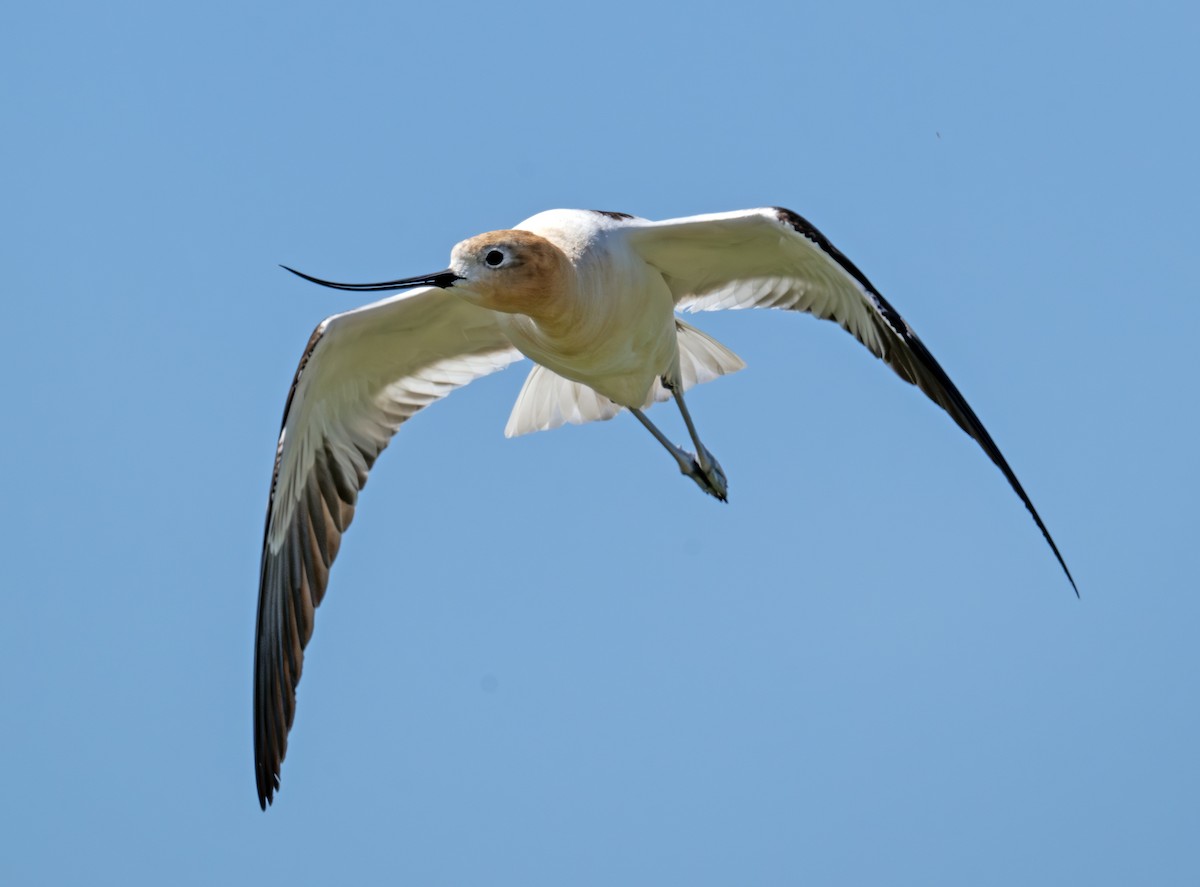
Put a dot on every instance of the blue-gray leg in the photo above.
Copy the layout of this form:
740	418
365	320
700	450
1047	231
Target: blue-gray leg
702	467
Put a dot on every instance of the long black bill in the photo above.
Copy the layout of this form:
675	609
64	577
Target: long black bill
442	279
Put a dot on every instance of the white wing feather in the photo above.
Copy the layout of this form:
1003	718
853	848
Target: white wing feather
362	375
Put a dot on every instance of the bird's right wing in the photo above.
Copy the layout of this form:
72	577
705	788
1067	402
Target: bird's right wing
774	258
362	375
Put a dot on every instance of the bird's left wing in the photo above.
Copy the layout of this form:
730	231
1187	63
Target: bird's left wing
774	258
362	375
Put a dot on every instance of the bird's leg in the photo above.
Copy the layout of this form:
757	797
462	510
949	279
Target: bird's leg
687	463
707	461
711	482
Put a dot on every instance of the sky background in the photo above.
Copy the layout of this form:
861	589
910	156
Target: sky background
552	660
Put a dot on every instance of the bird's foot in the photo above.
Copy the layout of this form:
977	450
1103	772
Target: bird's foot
706	471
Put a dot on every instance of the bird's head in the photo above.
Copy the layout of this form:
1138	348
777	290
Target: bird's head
516	272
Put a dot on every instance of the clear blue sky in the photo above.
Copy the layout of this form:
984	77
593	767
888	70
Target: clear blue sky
552	660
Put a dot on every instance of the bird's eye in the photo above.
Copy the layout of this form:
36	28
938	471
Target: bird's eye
494	257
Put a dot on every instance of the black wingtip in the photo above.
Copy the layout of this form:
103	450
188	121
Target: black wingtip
1037	519
264	791
1071	579
267	787
1074	587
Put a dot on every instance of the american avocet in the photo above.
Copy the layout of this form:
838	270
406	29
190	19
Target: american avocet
591	298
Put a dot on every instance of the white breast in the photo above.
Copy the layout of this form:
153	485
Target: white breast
622	334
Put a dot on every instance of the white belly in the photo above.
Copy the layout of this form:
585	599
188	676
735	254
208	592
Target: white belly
621	339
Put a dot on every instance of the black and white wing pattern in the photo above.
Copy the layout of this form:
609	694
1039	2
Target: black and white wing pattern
362	375
774	258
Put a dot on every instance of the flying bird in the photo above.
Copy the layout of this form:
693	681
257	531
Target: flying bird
591	298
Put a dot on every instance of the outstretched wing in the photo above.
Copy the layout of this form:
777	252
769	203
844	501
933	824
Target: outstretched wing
363	374
774	258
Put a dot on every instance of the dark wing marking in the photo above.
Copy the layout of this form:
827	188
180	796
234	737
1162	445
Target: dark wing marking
615	216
